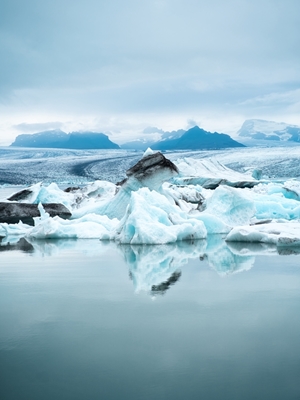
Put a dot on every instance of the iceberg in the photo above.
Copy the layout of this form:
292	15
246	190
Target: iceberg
150	218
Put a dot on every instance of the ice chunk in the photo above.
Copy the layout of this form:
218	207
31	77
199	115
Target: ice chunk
230	205
91	226
292	189
212	223
278	233
148	152
94	198
11	230
151	219
151	171
188	193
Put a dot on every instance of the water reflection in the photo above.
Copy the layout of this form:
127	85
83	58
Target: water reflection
223	260
51	247
156	268
262	249
16	244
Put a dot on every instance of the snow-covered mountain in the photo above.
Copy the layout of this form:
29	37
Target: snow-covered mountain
258	129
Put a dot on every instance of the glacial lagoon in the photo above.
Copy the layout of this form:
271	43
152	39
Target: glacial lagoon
89	319
84	319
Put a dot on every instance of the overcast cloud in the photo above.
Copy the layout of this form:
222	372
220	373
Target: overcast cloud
120	66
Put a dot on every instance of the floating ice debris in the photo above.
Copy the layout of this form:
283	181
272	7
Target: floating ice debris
278	232
163	202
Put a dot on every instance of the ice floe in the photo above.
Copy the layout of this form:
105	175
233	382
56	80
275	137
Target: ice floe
280	233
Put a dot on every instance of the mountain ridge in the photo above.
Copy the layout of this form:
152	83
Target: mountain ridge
196	139
259	129
59	139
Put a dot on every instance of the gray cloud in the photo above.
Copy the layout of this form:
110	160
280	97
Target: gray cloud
71	60
191	123
152	129
37	127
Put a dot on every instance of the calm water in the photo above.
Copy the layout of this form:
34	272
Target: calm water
89	320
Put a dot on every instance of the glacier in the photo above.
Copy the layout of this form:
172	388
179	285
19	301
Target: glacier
164	200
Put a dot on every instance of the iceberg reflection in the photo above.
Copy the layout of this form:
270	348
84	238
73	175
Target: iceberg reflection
16	244
154	268
247	248
51	247
223	260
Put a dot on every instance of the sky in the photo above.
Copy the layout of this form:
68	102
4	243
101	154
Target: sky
118	66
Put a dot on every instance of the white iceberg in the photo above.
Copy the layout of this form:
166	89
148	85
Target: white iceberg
280	233
150	218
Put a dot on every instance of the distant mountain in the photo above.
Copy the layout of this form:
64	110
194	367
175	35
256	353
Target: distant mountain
258	129
90	140
59	139
197	139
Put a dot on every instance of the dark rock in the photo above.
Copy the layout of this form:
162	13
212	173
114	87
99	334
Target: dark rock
22	195
12	213
151	161
72	189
